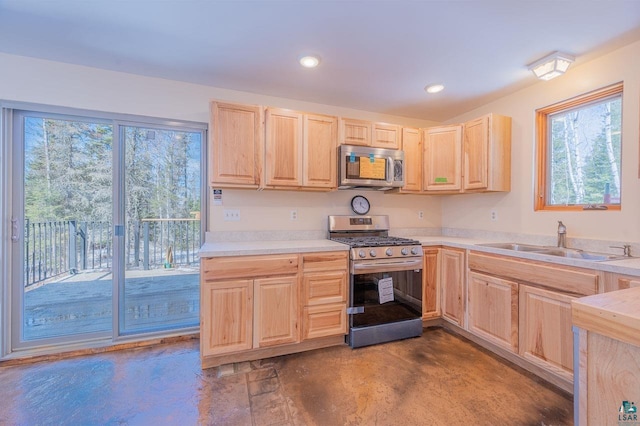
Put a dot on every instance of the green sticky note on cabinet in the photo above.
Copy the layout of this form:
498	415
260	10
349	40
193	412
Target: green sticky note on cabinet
441	180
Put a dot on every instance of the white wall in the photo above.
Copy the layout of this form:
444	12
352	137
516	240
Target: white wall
515	209
38	81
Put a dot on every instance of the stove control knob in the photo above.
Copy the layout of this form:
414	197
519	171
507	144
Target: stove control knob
361	253
389	252
415	251
404	251
372	253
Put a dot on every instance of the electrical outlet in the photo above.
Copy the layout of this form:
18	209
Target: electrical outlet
420	214
293	215
494	215
231	215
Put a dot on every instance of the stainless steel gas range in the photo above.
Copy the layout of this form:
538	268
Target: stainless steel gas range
385	297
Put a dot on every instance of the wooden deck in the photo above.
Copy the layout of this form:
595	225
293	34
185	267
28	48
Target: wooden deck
82	303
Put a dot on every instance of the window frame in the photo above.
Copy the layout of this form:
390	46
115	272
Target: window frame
542	141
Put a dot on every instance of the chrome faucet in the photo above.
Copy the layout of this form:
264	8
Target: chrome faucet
626	248
562	235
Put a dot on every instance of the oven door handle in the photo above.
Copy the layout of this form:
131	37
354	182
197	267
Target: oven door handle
386	266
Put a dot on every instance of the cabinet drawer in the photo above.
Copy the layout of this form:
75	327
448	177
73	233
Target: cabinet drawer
561	278
325	320
248	266
329	261
324	287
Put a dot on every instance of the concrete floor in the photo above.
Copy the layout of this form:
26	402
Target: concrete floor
437	379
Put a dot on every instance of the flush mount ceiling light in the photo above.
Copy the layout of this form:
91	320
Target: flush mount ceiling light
552	65
309	61
434	88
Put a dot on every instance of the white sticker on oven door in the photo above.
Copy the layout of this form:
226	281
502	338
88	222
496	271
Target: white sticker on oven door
385	290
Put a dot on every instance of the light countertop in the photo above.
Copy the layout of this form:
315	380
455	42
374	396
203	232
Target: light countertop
629	266
248	248
614	314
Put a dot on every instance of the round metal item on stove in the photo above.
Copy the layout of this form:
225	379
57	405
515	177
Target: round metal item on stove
372	253
361	253
389	252
404	251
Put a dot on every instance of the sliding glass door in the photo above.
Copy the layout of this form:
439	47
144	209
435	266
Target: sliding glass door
63	206
106	228
162	228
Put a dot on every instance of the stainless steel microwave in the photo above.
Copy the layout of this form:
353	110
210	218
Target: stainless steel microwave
370	168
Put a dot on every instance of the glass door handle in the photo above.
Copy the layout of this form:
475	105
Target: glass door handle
15	226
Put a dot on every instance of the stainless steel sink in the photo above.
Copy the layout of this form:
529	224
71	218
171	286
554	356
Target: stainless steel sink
557	251
515	246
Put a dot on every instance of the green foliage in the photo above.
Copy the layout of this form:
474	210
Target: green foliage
69	171
585	154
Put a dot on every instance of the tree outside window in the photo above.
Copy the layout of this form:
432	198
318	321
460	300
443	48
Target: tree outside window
579	152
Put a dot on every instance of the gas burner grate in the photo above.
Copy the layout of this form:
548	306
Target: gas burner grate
375	241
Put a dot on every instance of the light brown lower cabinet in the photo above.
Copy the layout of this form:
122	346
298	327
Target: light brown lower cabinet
275	311
493	310
430	287
546	337
612	281
324	320
324	294
257	306
452	268
228	327
246	314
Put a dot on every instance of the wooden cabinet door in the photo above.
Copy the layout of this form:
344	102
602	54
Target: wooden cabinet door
412	147
452	285
487	154
283	152
385	136
275	311
235	157
226	316
476	151
493	310
320	157
443	159
355	132
546	337
430	281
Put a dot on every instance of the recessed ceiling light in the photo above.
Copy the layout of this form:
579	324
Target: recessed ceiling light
434	88
309	61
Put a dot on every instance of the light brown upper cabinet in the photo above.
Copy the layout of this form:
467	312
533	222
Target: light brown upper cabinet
283	147
470	157
443	159
412	147
487	154
237	143
355	132
319	157
386	136
366	133
300	150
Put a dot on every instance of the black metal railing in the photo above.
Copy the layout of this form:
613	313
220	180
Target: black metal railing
53	248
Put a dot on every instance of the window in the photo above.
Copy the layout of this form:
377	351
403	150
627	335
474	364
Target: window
579	145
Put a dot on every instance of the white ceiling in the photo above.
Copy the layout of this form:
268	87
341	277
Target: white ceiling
376	55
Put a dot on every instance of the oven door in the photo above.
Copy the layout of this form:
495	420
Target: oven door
384	292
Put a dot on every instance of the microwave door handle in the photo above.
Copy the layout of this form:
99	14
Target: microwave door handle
390	170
